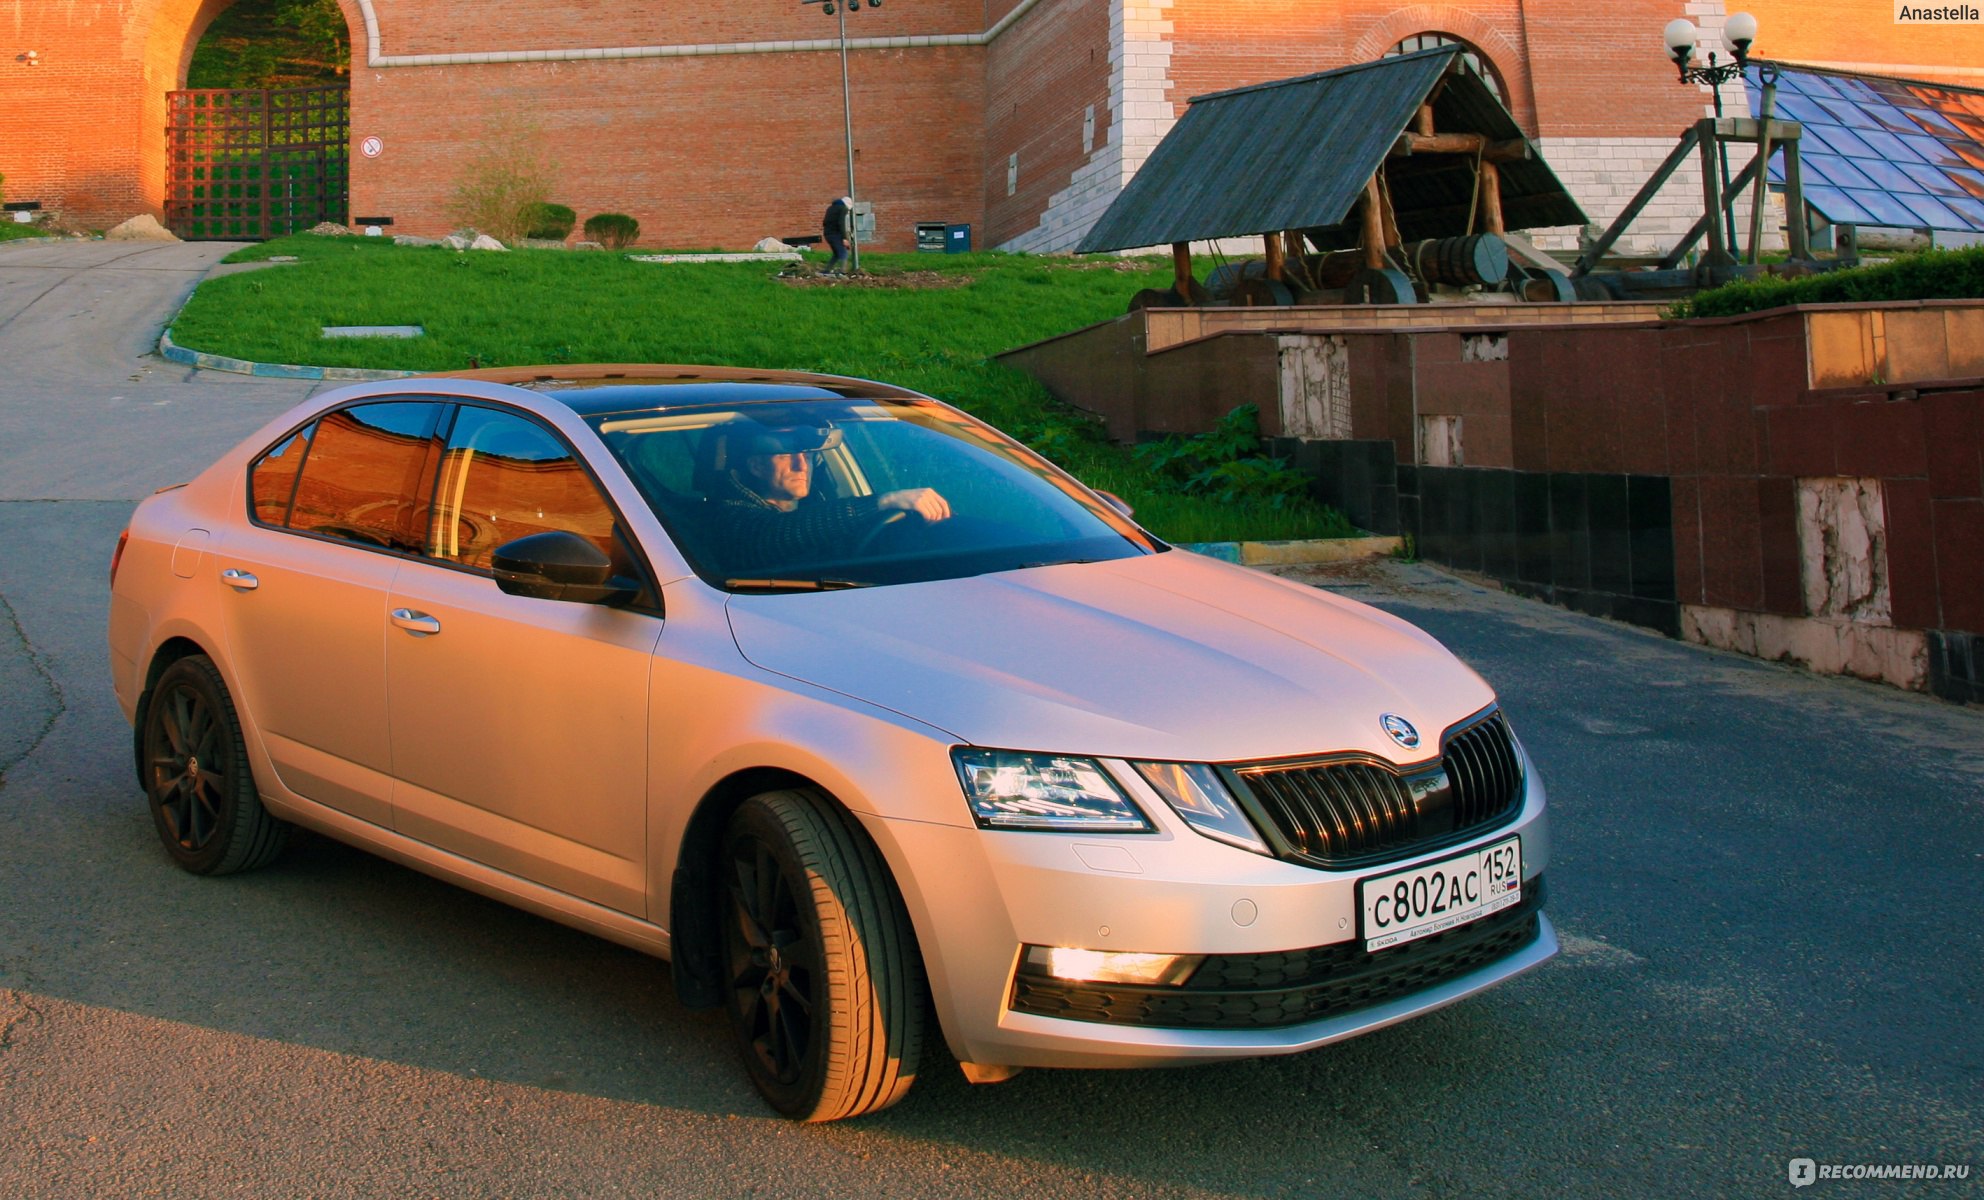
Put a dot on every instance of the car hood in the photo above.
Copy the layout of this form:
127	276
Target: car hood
1166	656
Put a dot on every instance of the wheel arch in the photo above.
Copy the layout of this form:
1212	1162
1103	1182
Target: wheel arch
169	651
695	945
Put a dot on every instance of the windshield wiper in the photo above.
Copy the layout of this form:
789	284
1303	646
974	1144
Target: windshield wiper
792	585
1060	562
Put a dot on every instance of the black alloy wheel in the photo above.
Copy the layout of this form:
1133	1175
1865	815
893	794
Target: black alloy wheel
196	775
823	982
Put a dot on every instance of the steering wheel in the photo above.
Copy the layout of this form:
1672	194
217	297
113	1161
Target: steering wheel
867	540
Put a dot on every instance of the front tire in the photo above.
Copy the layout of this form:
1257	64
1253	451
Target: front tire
823	982
196	775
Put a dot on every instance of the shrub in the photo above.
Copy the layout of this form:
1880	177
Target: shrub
504	182
1925	275
614	230
553	222
1226	464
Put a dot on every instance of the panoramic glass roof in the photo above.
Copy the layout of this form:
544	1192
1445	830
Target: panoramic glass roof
1884	151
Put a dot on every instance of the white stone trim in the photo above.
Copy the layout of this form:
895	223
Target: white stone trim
1140	111
376	57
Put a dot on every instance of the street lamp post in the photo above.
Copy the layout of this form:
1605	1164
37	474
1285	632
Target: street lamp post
840	9
1682	37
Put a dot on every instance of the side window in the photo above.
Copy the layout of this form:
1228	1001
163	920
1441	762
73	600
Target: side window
362	477
272	480
504	477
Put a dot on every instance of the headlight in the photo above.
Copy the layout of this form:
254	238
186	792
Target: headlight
1010	790
1194	792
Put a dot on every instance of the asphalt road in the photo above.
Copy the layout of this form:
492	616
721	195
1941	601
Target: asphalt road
1768	885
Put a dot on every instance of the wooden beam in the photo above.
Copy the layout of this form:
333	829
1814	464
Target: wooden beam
1274	255
1796	229
1749	129
1588	261
1713	203
1374	227
1706	224
1491	198
1181	270
1426	120
1512	150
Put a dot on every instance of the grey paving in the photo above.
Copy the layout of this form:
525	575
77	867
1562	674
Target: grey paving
1766	881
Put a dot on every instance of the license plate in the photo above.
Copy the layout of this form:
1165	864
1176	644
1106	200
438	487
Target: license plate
1435	897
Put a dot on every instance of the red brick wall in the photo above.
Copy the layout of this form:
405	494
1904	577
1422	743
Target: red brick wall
1598	69
1040	77
651	138
1229	43
1569	68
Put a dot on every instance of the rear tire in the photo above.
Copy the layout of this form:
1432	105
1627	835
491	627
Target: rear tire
196	775
821	975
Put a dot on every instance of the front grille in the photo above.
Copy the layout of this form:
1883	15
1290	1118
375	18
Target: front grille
1351	811
1265	991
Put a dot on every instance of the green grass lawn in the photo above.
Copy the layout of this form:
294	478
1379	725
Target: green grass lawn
550	306
13	231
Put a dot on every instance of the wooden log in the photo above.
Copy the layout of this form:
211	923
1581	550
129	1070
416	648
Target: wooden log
1512	150
1425	120
1181	268
1491	198
1374	227
1274	256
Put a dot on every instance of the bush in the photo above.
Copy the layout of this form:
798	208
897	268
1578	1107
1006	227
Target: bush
1925	275
504	183
613	230
552	222
1226	464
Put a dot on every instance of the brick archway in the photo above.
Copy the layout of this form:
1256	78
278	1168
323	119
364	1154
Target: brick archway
160	38
1486	39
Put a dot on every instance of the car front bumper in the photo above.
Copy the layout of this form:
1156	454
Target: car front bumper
978	898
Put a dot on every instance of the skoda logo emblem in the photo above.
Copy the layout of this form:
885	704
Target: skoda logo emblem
1400	729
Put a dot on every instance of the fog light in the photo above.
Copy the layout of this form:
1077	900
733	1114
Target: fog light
1113	966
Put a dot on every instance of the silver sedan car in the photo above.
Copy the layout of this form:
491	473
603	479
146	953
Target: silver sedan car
852	708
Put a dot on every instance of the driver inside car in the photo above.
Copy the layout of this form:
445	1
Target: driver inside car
767	511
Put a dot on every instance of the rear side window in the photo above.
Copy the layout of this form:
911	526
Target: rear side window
504	477
273	480
360	480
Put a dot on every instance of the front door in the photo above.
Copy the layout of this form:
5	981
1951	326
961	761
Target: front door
307	587
519	726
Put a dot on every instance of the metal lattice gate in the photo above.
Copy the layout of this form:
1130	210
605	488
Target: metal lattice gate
249	163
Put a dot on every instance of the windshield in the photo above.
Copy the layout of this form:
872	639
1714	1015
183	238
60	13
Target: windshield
816	494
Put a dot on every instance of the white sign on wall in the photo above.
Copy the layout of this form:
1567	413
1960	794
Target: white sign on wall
371	147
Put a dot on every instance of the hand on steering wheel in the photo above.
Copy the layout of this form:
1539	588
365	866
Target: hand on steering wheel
874	534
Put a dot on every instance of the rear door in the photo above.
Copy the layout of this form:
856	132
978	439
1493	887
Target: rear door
332	511
519	726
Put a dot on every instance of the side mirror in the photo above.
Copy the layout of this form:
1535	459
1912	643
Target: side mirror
560	566
1116	502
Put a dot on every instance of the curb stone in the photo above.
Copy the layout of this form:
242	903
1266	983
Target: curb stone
174	352
1294	553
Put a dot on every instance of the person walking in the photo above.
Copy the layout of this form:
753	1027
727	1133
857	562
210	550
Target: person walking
838	226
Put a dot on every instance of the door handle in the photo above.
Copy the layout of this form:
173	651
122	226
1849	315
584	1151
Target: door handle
419	624
240	581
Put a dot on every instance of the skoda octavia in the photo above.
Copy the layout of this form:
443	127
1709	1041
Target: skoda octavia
858	712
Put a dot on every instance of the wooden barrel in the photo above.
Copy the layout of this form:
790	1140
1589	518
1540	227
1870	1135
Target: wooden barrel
1462	261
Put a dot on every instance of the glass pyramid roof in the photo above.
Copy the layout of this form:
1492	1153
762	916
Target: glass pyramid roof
1879	151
